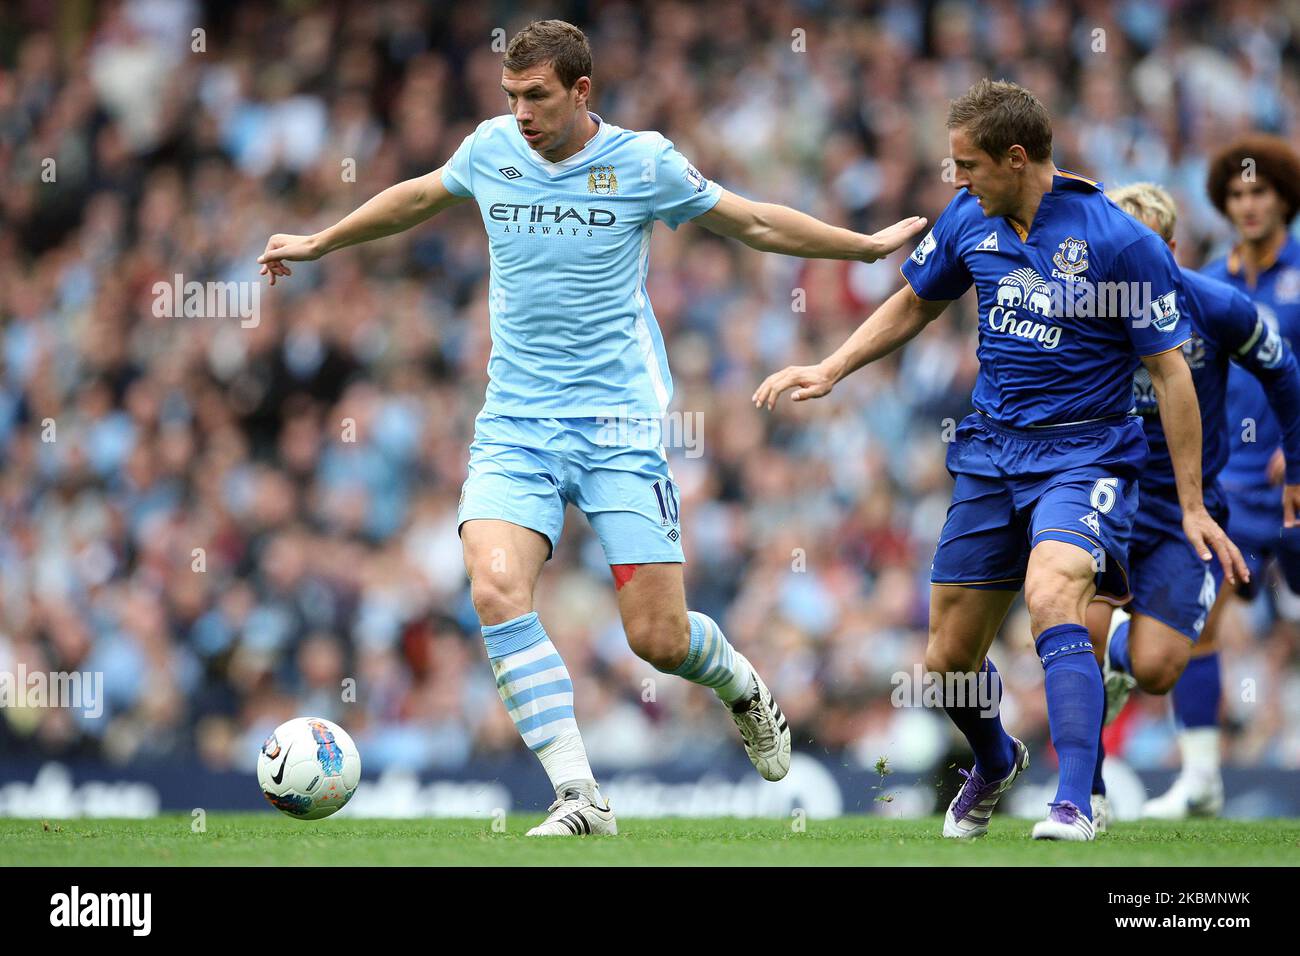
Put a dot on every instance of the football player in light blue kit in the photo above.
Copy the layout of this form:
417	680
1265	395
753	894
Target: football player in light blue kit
1072	295
578	380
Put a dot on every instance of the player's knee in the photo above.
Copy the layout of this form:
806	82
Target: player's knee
1052	598
499	598
1157	674
661	640
949	658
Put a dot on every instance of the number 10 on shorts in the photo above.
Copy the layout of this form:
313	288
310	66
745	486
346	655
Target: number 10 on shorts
666	495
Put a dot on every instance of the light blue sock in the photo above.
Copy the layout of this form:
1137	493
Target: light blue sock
713	662
535	686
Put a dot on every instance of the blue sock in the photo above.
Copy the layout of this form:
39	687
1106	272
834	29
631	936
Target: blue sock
1196	695
1076	704
1118	649
1098	784
982	727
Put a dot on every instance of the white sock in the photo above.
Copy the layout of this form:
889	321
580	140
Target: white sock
565	761
1200	750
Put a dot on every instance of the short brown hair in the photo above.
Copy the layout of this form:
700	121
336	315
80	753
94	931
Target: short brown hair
561	44
1272	160
1149	204
999	114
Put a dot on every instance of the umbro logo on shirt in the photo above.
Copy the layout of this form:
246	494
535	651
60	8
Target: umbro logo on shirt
509	172
990	243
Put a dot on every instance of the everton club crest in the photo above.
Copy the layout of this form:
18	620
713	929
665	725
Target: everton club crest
602	180
1072	256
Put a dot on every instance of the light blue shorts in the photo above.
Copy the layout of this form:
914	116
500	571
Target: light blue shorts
525	470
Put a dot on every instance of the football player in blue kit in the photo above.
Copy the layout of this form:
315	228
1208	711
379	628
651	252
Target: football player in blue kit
1174	592
1255	183
578	385
1073	295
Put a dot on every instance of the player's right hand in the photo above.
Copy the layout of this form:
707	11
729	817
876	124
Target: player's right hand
893	237
282	248
808	381
1204	534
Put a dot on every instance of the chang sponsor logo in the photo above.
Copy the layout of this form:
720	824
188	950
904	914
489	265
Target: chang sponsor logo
1023	300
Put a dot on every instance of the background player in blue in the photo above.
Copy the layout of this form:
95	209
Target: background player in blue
1046	468
577	381
1173	591
1255	183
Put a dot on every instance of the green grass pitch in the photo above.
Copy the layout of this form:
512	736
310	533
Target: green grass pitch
268	839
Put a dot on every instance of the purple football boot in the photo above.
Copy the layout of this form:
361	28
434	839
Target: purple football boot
968	814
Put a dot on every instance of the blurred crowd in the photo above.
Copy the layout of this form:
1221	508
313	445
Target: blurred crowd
237	522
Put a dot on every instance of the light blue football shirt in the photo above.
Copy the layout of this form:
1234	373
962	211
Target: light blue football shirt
573	332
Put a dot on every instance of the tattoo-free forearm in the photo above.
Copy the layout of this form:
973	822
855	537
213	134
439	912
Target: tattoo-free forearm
896	322
1180	416
396	209
793	233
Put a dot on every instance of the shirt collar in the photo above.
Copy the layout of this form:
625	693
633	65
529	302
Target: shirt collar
1285	253
1064	179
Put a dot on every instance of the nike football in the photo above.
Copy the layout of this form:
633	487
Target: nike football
308	768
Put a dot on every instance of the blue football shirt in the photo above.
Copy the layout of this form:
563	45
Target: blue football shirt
1277	298
1226	332
573	332
1065	311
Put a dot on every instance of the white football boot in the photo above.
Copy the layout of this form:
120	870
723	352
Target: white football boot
1065	822
764	729
1100	812
575	814
1118	683
1192	795
968	814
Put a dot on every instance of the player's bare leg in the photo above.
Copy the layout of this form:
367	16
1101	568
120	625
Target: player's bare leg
691	645
1059	584
963	624
1198	789
504	561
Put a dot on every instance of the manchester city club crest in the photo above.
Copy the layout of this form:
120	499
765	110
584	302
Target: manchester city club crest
602	180
1072	256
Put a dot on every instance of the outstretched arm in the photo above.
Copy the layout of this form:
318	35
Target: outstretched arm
768	227
1180	415
394	210
902	316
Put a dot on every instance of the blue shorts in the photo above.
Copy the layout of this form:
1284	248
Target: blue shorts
525	470
1016	487
1170	582
1255	526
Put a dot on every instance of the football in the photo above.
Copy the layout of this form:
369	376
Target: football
308	768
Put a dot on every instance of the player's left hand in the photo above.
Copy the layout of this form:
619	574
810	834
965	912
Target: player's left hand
1206	536
1290	506
882	243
